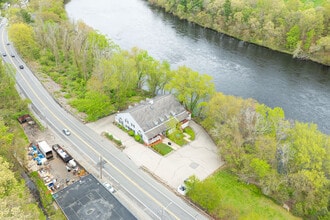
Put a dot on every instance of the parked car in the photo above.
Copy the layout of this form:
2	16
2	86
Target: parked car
109	187
66	132
182	189
21	66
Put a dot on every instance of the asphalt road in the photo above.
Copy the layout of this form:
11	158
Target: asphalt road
159	201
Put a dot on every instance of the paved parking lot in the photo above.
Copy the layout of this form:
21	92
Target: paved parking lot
200	157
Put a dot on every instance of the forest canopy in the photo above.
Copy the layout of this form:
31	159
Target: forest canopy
299	27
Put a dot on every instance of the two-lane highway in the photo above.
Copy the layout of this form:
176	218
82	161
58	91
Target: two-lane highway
159	202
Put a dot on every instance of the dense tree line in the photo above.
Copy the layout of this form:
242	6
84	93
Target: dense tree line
300	27
288	160
96	74
15	199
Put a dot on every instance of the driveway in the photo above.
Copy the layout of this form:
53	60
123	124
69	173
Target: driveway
200	157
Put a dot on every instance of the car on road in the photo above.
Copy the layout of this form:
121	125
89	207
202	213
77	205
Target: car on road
12	55
21	66
8	43
66	132
4	54
109	187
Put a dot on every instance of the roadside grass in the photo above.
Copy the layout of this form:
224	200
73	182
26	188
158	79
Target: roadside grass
237	199
162	148
46	197
21	141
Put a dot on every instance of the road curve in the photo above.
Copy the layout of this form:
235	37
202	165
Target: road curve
159	201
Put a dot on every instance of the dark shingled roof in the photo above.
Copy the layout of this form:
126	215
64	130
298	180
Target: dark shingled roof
152	114
89	199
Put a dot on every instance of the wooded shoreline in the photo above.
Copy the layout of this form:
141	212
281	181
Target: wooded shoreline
305	43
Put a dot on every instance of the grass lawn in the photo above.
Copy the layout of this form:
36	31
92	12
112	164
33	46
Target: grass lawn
177	137
238	200
162	148
190	132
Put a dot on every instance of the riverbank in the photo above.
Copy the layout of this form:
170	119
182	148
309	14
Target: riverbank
260	25
301	88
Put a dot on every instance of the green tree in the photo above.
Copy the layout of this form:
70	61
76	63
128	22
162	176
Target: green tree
206	193
227	9
307	147
269	119
22	36
7	178
26	16
292	37
191	88
158	75
310	193
220	109
95	104
118	76
14	197
144	64
260	167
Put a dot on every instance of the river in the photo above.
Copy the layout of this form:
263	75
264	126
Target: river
301	88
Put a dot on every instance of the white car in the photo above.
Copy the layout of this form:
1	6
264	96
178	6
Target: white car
109	187
66	132
182	189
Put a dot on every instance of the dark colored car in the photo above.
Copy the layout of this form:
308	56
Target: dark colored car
21	66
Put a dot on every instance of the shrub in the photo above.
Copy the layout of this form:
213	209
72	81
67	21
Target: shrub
131	133
45	197
190	132
110	137
138	138
95	105
118	142
120	126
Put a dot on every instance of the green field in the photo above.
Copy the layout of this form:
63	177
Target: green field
234	199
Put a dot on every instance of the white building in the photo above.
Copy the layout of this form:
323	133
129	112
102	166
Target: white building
149	118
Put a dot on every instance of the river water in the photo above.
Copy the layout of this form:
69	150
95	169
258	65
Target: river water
301	88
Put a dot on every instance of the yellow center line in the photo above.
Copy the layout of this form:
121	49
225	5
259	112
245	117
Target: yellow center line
89	146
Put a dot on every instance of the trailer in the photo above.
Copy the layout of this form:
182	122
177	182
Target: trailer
24	118
45	149
65	156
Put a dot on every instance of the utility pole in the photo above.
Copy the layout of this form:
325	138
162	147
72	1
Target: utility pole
101	165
